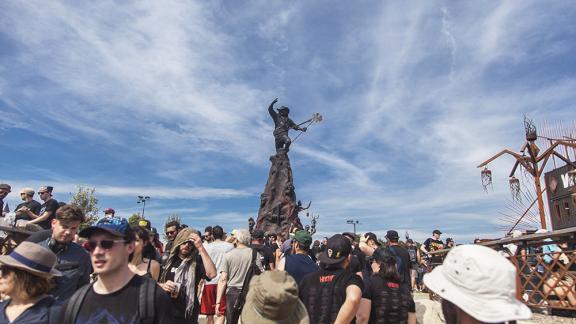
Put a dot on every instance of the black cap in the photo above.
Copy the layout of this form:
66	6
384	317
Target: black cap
337	249
372	236
436	232
392	235
449	239
409	241
257	234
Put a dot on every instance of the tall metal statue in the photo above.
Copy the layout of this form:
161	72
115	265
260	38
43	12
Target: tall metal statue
279	208
282	124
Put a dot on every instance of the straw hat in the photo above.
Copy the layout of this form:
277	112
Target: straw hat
32	258
480	282
273	298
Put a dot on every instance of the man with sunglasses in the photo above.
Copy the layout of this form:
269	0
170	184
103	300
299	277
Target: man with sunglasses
5	189
27	196
187	264
171	230
118	295
48	210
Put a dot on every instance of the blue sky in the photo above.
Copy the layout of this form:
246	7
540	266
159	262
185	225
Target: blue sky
168	99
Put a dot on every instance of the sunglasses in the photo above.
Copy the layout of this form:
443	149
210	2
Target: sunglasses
168	233
105	244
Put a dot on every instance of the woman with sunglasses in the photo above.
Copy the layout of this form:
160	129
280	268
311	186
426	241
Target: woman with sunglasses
25	278
142	264
384	299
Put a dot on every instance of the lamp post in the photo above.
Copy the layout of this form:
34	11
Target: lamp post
353	222
142	199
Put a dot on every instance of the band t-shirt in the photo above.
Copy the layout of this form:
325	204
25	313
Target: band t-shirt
324	292
122	306
51	205
32	205
390	303
432	245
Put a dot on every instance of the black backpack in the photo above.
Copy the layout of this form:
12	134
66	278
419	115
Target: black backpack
146	303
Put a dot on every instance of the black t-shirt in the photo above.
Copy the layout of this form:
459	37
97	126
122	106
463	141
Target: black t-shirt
323	292
180	302
266	255
51	205
122	306
34	207
390	302
404	267
432	245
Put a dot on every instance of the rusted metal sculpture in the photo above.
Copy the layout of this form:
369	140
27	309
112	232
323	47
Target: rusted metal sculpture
533	161
279	208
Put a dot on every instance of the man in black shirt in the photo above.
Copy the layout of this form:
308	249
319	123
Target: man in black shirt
187	264
332	294
117	296
48	210
27	195
430	245
266	253
5	189
402	259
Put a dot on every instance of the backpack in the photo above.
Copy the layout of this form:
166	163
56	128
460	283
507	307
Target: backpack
146	303
254	270
399	264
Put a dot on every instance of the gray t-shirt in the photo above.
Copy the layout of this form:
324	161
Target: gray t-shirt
216	251
236	264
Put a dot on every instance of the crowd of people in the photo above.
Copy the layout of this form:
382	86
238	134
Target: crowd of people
115	272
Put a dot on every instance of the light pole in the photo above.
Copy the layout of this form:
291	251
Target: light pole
353	222
142	199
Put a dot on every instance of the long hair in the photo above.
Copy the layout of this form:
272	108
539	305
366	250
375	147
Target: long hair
388	270
148	251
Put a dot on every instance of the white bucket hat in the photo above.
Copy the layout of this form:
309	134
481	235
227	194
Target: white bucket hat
480	282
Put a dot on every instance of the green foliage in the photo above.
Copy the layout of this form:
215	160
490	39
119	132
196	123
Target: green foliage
85	198
133	220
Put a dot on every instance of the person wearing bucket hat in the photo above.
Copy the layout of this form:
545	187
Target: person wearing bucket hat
477	285
25	276
118	295
332	294
300	263
273	298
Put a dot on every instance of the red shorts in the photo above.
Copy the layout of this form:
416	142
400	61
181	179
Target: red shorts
208	305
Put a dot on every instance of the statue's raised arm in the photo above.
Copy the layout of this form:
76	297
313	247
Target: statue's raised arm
273	114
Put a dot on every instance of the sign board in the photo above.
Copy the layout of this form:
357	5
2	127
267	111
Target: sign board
559	189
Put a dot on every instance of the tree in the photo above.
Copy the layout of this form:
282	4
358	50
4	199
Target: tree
134	219
85	198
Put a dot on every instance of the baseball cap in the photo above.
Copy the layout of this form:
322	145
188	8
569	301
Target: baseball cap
109	211
273	298
479	281
112	225
5	186
257	234
372	236
436	232
349	235
303	237
392	235
145	223
338	248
